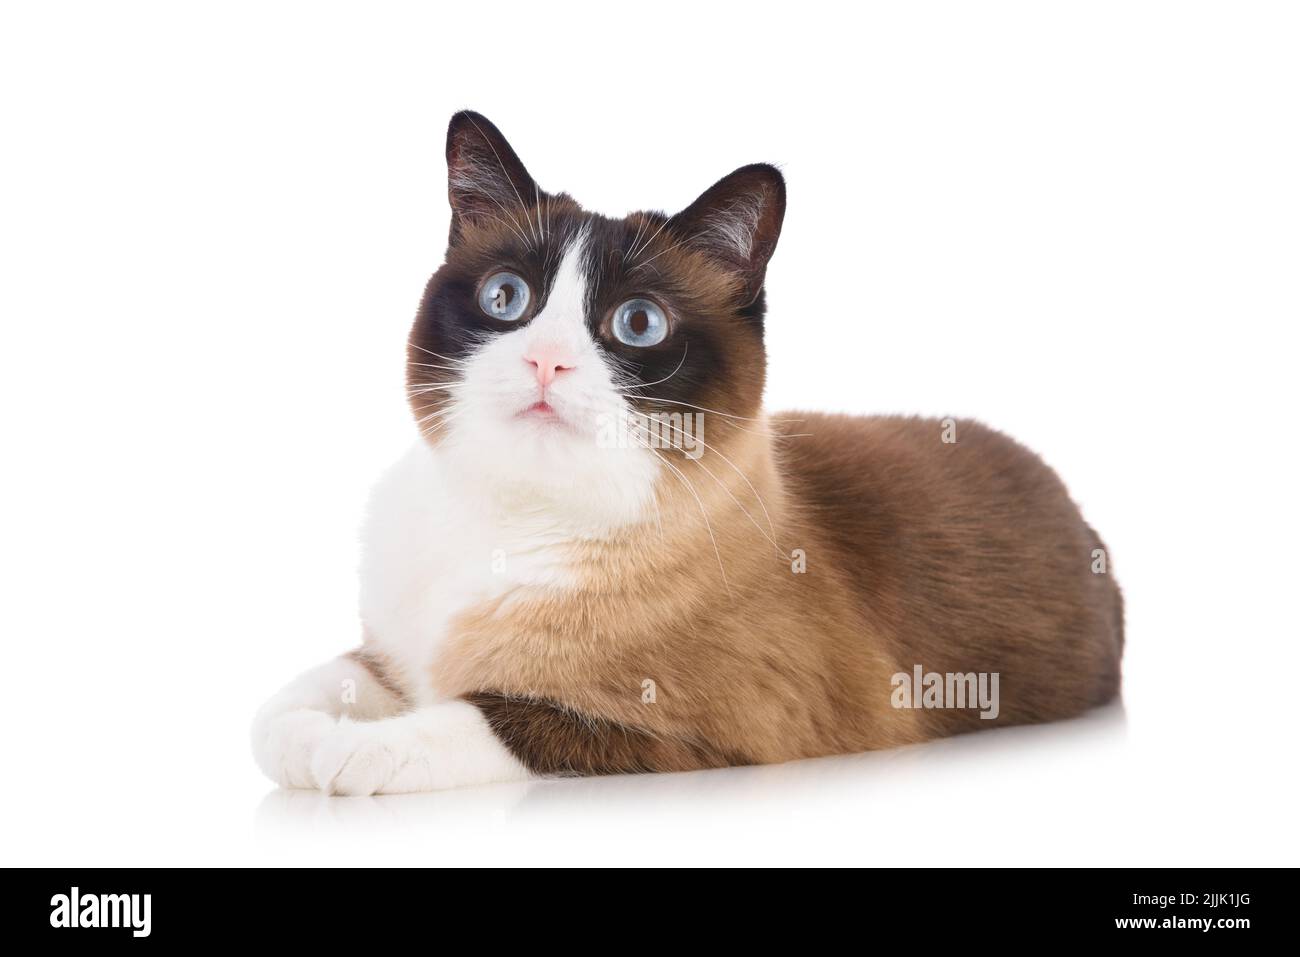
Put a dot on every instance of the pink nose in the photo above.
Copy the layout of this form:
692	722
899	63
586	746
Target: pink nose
548	363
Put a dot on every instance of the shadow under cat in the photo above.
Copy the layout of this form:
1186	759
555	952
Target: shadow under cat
794	787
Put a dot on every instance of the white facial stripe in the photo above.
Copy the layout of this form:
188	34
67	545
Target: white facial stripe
490	445
564	317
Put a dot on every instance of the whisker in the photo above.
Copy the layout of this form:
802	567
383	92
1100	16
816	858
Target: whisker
703	512
742	508
637	238
436	413
515	228
768	433
497	219
431	365
437	427
537	201
728	415
761	504
439	355
646	245
660	253
686	343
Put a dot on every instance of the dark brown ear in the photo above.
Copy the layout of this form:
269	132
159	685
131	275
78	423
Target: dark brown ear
485	178
737	221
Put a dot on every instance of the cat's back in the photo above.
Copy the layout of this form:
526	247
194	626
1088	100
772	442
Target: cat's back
964	548
859	475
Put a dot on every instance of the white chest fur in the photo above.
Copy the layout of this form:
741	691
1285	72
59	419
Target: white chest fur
432	548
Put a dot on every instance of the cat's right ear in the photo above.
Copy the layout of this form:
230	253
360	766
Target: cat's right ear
485	178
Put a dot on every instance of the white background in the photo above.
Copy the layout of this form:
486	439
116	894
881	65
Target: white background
1079	223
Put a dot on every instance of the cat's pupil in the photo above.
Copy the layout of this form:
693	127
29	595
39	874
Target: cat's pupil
505	294
639	322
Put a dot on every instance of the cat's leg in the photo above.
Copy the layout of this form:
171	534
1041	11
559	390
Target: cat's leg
445	745
486	738
290	727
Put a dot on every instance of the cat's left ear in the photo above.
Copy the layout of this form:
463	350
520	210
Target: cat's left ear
485	178
737	221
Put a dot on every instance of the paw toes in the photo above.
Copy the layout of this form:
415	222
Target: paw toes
350	763
284	746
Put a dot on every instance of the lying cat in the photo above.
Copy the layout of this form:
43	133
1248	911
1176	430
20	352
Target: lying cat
601	556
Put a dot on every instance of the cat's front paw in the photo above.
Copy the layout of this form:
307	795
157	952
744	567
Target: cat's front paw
285	743
360	758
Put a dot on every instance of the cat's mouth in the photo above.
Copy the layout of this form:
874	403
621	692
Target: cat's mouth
541	411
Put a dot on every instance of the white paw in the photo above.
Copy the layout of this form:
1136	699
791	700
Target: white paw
362	758
284	744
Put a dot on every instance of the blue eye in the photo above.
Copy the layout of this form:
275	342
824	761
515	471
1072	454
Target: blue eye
639	322
504	296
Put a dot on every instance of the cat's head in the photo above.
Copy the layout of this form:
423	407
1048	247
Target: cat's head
547	323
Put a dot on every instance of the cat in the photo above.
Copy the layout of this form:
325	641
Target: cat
553	584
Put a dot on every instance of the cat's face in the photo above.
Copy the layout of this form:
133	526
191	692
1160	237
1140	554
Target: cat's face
549	328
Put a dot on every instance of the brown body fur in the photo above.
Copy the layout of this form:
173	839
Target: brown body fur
961	557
